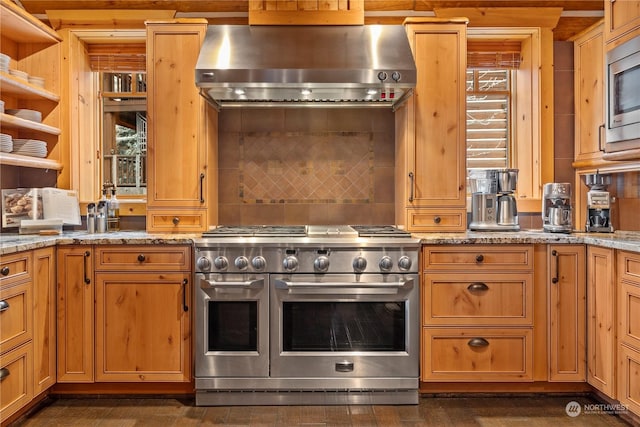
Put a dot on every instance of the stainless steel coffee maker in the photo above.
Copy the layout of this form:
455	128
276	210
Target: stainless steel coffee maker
493	205
556	207
598	203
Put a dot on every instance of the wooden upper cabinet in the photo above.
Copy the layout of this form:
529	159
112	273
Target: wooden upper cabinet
589	89
181	169
431	131
622	20
306	12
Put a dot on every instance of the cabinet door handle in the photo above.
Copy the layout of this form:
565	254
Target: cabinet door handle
4	373
437	220
87	280
555	254
176	220
479	258
478	342
185	307
478	287
4	271
4	306
600	129
141	258
201	187
411	187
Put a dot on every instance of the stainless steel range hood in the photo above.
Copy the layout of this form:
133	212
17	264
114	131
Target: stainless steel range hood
369	65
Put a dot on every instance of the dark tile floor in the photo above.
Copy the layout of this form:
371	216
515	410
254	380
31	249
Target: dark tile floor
532	411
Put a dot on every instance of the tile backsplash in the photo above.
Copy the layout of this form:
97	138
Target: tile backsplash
306	166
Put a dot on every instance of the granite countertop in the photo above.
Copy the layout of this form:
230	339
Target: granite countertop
626	240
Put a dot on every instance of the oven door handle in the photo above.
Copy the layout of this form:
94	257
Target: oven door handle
255	283
343	287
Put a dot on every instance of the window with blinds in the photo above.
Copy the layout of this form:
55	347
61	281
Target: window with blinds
488	107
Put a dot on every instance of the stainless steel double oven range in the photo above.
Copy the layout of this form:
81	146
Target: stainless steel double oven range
306	315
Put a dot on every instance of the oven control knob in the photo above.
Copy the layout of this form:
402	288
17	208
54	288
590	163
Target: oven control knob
221	263
290	263
203	264
386	264
241	263
359	264
259	263
404	263
321	263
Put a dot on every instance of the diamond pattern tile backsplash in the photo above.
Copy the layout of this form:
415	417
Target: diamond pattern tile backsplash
306	166
298	168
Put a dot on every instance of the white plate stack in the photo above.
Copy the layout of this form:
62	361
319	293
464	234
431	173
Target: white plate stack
23	113
37	81
30	147
6	143
4	62
19	74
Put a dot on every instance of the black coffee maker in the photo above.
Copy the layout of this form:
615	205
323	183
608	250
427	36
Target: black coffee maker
598	203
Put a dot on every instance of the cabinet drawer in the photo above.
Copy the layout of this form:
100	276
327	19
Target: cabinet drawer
15	268
176	222
16	384
629	313
478	257
629	266
477	354
629	378
436	220
478	299
143	258
16	316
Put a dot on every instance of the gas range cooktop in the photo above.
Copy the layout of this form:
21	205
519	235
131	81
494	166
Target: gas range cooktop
306	231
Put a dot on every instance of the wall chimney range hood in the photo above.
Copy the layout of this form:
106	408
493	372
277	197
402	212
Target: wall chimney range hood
368	65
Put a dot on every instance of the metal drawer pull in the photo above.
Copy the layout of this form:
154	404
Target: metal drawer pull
410	187
4	373
478	287
185	283
479	258
141	258
344	367
5	271
4	305
478	342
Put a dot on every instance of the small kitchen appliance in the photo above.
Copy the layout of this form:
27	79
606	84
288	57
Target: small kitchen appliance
493	205
598	203
556	207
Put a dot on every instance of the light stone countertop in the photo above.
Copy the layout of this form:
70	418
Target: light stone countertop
626	240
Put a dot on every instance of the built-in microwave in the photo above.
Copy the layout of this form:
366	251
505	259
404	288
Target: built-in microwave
623	97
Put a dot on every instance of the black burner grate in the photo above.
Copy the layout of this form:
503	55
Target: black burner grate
256	230
380	231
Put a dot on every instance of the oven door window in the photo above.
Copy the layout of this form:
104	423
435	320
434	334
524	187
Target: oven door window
344	326
233	326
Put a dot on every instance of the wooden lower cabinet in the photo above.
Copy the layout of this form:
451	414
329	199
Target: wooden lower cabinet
44	319
142	327
142	313
75	326
567	312
27	328
628	368
482	354
601	319
477	313
124	313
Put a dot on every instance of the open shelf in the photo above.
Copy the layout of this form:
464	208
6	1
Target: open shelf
11	122
9	159
25	90
13	26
